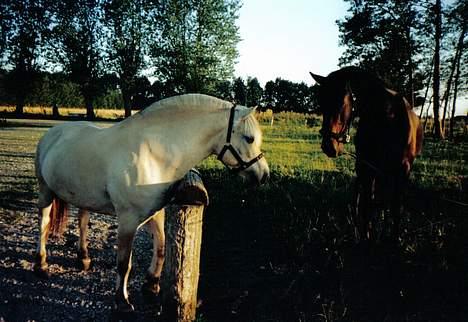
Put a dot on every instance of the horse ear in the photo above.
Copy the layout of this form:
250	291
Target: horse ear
244	113
319	79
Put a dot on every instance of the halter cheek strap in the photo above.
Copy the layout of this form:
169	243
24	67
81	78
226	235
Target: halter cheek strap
242	165
343	136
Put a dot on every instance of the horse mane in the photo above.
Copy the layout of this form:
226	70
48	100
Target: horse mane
188	102
362	81
196	103
371	92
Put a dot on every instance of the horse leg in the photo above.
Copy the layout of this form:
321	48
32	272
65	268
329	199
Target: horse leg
151	287
363	207
395	207
45	206
125	234
83	256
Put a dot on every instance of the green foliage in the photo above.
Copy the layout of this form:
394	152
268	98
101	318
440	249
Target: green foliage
285	251
76	46
128	22
284	95
379	36
197	44
23	32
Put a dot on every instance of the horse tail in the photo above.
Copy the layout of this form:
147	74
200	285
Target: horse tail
58	217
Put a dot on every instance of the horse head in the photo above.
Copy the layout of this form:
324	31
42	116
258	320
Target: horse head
336	100
240	151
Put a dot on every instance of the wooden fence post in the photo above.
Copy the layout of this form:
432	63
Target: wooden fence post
183	228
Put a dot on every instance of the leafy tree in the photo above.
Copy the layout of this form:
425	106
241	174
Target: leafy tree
224	89
380	36
197	43
78	44
284	95
254	91
269	95
127	45
23	29
240	91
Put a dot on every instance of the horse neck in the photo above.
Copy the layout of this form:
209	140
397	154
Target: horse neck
371	100
191	135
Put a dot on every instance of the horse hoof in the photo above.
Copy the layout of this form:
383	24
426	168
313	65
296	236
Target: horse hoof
117	315
84	264
42	273
150	291
124	307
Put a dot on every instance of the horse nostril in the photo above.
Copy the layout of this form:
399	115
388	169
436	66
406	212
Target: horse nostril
265	178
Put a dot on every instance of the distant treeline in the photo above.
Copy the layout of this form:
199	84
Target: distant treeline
102	53
49	89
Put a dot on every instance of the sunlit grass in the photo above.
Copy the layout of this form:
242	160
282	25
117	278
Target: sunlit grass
67	111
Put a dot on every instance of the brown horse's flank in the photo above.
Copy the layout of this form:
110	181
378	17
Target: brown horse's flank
58	217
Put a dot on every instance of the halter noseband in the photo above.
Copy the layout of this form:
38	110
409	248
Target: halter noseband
342	136
242	165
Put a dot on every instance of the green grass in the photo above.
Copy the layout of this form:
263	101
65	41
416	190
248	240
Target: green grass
289	244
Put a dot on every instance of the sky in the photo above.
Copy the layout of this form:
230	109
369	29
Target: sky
289	38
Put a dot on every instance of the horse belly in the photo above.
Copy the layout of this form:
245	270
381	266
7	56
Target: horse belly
76	176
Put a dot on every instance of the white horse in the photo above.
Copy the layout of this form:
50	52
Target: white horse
129	169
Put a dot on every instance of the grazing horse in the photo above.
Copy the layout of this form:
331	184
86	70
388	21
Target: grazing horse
388	138
129	170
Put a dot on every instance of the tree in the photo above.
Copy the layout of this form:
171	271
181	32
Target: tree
240	91
127	44
254	91
284	95
380	36
458	20
197	43
23	30
436	78
223	90
78	44
269	95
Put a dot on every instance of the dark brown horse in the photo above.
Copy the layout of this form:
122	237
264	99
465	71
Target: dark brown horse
388	138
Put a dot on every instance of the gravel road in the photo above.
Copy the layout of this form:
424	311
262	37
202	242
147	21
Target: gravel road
69	295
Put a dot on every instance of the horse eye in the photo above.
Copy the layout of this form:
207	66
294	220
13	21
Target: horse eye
249	139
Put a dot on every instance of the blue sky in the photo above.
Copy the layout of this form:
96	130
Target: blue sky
289	38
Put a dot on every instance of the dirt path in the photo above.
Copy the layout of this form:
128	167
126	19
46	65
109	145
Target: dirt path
69	295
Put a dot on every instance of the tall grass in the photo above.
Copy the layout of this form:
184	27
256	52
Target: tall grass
289	244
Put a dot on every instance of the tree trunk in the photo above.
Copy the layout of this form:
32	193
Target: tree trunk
450	79
55	110
89	108
427	90
457	78
19	104
410	65
127	101
436	83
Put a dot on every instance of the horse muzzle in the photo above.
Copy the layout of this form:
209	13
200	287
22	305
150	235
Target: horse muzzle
331	147
257	174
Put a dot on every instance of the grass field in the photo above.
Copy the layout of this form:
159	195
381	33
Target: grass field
285	251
